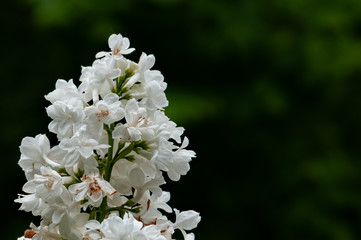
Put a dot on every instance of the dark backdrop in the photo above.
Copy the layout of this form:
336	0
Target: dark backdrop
268	91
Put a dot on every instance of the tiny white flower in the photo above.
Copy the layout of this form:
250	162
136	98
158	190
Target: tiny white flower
92	232
105	111
137	126
48	186
181	158
93	188
34	154
98	79
79	145
151	232
65	118
145	63
119	46
186	220
31	203
104	70
65	91
149	212
43	233
116	228
142	183
154	97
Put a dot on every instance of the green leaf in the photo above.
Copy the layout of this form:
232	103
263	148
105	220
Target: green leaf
93	214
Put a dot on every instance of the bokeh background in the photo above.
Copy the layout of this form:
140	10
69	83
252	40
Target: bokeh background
268	92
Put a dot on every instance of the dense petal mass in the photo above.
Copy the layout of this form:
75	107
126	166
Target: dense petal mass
102	179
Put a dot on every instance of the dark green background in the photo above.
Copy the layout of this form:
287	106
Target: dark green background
268	91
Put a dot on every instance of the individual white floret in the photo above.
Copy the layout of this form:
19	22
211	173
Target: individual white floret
137	126
149	212
116	228
153	96
181	158
66	92
67	218
151	232
119	46
65	118
135	178
31	203
166	129
145	63
142	183
92	188
48	186
41	233
162	155
98	79
35	153
93	230
79	145
105	111
104	71
186	220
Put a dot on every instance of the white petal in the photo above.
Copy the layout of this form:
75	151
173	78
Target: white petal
187	219
86	151
101	54
93	224
107	188
134	133
137	177
58	216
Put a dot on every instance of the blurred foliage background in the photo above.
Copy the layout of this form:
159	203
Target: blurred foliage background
268	92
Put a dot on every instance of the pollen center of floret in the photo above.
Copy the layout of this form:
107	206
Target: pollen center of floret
116	51
94	186
50	181
102	113
29	233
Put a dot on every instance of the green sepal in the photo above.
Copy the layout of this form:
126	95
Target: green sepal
93	215
124	153
79	174
141	145
127	96
135	210
129	203
75	180
130	158
62	171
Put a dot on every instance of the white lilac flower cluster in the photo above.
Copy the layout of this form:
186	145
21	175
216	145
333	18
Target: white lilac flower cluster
102	181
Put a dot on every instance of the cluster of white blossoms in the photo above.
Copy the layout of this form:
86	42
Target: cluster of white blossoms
102	181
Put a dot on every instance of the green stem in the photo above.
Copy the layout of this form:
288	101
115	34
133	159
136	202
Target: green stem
108	169
102	210
107	174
